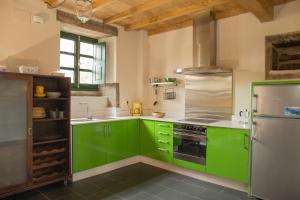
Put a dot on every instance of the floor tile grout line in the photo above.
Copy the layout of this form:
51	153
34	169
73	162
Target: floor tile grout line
44	195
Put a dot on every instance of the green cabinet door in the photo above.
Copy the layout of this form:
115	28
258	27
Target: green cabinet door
132	138
115	141
88	146
227	153
164	141
147	136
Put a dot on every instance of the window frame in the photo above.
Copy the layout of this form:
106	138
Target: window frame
76	86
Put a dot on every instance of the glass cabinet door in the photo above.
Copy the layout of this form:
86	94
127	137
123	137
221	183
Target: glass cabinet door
15	122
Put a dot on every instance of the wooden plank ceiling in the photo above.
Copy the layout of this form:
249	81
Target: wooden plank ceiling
157	16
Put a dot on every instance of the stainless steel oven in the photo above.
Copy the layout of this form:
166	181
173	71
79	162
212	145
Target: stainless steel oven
190	143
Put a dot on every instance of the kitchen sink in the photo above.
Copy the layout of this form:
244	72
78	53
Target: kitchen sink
85	119
91	120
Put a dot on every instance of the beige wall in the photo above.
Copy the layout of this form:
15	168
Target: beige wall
241	45
24	42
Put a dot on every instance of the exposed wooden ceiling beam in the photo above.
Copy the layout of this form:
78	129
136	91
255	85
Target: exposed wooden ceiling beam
229	13
151	4
92	25
262	9
201	6
182	24
98	4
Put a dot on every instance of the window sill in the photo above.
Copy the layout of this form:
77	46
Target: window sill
86	93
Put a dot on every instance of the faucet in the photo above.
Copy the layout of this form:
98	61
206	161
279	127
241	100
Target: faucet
88	115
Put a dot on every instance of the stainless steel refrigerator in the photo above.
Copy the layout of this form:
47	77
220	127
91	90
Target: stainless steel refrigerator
275	141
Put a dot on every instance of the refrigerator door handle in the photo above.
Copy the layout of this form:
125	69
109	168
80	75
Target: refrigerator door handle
254	103
253	135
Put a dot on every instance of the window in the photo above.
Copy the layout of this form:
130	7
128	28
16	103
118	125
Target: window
82	59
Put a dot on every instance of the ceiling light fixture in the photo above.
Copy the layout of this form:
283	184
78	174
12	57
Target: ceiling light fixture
84	10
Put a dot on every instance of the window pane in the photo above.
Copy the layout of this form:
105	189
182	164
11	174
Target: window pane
66	60
86	63
86	77
68	73
86	49
67	45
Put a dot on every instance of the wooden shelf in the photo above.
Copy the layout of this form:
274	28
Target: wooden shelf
50	99
49	164
49	152
50	141
56	176
49	119
163	84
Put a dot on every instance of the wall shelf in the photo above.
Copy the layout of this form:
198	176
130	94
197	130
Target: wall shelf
163	84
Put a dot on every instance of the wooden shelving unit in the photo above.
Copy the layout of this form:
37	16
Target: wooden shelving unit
47	143
51	136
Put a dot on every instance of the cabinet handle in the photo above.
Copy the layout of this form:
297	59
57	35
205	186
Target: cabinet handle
105	131
163	150
162	133
29	131
253	132
245	143
164	125
254	103
163	142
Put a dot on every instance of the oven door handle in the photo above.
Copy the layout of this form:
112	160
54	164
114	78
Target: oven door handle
189	136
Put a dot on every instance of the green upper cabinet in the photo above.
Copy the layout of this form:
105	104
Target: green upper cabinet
147	136
132	138
115	140
227	153
88	146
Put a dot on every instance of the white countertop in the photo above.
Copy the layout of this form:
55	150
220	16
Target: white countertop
221	123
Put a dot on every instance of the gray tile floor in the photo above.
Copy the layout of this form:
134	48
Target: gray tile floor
134	182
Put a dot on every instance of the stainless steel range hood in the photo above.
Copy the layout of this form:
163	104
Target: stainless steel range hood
204	48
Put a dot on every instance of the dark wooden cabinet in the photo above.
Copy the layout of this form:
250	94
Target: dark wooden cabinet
33	152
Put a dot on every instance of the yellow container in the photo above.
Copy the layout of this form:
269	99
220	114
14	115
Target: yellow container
137	109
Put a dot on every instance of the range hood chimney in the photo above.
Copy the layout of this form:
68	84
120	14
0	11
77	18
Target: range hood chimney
204	47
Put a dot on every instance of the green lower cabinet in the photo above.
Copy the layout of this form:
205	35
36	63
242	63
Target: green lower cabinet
115	141
147	135
88	146
190	165
157	140
132	138
227	153
164	141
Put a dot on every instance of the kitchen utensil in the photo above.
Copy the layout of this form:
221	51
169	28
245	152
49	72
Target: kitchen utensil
29	69
39	91
170	79
158	114
244	114
169	94
38	113
53	114
53	94
137	109
61	114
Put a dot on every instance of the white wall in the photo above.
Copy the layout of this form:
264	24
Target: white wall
241	45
